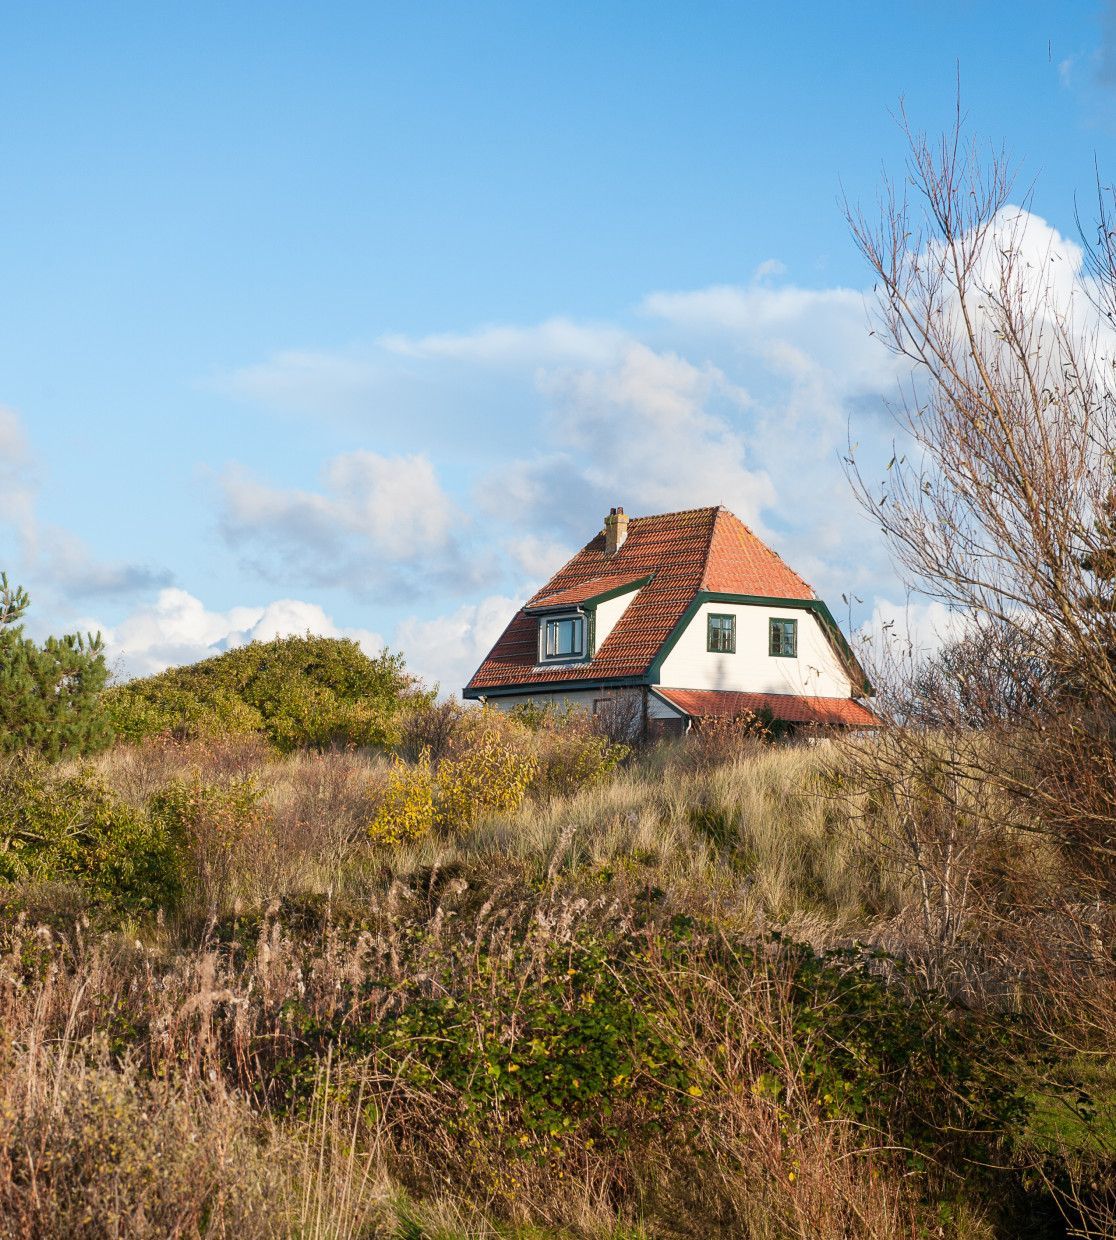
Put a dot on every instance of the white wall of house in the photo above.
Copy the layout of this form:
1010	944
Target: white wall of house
816	671
608	613
658	709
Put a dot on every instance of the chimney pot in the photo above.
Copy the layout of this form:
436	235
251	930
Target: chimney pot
615	530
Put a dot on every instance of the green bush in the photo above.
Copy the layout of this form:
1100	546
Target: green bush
297	692
69	828
572	756
209	823
531	1054
406	810
213	816
489	773
465	764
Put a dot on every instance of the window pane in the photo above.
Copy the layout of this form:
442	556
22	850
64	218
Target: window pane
564	638
784	638
721	634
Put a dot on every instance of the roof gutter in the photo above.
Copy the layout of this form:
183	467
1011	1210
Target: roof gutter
535	688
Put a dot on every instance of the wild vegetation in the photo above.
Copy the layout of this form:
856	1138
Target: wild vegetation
696	990
304	953
301	692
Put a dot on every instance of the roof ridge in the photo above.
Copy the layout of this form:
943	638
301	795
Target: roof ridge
709	545
679	512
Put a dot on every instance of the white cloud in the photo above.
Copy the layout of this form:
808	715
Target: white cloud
448	649
16	491
377	520
178	628
48	554
909	632
306	380
538	558
769	269
652	432
398	374
554	340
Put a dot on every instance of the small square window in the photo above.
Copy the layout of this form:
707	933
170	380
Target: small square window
783	641
721	634
564	638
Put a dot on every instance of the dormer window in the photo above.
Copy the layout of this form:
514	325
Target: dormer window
562	637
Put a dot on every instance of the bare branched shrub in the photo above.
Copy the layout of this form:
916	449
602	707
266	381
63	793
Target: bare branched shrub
431	730
999	498
619	718
717	739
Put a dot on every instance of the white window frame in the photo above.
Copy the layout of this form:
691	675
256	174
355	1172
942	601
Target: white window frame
578	654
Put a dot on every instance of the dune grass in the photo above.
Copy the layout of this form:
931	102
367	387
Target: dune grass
326	1037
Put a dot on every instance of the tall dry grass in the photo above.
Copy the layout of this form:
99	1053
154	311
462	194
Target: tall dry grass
204	1075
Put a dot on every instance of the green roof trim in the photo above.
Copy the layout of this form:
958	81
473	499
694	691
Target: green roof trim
814	605
637	583
537	688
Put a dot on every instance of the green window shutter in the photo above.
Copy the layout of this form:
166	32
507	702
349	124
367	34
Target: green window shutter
720	634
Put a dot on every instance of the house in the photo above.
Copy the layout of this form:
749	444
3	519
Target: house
679	617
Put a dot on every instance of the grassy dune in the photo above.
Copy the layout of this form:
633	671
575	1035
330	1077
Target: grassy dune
699	996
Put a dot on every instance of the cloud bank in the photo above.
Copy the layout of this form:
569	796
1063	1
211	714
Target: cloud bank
488	455
178	628
54	556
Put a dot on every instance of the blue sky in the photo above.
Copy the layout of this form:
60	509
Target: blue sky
358	317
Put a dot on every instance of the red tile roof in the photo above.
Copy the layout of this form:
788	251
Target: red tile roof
702	549
585	590
789	708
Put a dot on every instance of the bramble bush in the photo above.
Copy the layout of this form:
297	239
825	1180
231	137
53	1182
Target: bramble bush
534	1056
940	1081
65	827
209	822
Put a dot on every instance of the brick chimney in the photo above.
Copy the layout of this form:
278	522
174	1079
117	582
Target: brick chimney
615	530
